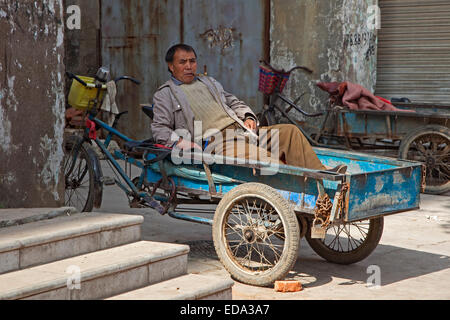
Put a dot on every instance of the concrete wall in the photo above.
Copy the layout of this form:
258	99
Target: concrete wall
320	34
82	46
31	103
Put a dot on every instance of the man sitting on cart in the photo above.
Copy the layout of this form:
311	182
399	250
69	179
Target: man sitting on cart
187	98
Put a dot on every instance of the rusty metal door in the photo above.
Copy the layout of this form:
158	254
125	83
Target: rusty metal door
229	36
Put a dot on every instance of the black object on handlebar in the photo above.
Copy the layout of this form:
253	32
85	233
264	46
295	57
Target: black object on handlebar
127	78
72	76
286	72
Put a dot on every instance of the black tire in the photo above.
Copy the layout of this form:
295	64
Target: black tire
79	175
430	145
348	249
256	234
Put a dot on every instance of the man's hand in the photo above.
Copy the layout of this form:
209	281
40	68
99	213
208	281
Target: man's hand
187	145
250	123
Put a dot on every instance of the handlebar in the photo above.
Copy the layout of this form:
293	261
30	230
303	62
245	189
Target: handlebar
293	105
127	78
100	86
286	72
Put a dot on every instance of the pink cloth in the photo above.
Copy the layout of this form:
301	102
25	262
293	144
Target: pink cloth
356	97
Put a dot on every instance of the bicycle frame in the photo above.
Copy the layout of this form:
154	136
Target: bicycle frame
276	95
132	189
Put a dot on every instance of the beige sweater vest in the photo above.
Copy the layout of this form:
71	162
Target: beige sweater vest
206	108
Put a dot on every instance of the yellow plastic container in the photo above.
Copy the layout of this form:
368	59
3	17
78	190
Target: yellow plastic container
81	97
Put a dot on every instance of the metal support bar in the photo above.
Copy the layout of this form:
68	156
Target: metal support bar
189	218
388	126
111	159
212	187
335	208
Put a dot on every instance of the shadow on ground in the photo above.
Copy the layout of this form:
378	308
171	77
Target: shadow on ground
395	263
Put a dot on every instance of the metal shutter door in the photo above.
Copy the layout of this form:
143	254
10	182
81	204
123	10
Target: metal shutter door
414	50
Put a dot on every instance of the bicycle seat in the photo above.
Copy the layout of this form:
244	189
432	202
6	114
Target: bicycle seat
148	110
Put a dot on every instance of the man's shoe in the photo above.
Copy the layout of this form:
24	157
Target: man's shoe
342	168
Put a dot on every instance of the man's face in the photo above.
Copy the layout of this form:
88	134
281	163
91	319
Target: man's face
184	66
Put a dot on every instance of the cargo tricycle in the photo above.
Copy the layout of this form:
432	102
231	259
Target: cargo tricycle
262	210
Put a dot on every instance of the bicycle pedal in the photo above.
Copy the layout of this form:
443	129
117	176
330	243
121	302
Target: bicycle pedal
152	203
108	181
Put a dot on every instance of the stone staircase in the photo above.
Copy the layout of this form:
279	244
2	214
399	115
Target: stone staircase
79	256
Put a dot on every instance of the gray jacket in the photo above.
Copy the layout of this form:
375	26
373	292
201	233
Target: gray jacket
172	110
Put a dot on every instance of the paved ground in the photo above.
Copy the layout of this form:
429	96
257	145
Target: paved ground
413	255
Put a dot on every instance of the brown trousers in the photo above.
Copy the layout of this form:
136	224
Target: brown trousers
283	143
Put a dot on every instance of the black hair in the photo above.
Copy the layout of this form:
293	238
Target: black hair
181	46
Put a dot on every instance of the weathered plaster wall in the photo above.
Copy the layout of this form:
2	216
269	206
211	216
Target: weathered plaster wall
31	103
331	38
360	43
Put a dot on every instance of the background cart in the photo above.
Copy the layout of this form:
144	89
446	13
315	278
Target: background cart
423	135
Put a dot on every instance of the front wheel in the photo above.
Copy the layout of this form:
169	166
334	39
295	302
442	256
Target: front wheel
256	234
79	174
348	243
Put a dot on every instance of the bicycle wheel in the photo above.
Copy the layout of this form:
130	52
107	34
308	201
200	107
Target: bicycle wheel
78	174
256	234
348	243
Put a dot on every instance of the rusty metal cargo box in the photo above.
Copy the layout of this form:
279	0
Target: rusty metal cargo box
376	185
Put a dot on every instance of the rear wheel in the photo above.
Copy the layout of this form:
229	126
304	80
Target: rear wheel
430	145
256	234
78	174
348	243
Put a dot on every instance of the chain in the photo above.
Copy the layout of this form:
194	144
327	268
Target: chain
323	209
324	206
424	178
341	201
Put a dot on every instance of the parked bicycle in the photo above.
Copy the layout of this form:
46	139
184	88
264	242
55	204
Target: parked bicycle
272	81
84	179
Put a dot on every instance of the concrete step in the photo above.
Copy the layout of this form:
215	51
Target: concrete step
45	241
14	217
186	287
98	275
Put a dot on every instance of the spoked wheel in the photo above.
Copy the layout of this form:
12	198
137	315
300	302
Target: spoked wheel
79	175
348	243
256	234
430	145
